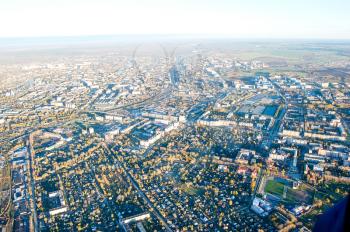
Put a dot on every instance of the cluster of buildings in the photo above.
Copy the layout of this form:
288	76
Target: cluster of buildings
108	143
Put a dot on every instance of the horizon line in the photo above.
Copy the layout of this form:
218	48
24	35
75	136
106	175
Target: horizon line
181	35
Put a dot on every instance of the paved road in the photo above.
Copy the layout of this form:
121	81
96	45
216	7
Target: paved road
142	194
17	137
279	119
150	204
39	127
256	186
32	182
277	123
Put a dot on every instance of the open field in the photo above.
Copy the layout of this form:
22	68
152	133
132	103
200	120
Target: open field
285	192
274	187
192	190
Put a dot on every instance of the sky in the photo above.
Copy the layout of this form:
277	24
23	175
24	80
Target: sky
309	19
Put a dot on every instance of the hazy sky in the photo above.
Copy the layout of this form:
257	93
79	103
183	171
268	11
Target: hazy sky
236	18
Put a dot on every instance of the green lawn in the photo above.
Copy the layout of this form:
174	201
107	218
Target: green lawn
274	187
292	195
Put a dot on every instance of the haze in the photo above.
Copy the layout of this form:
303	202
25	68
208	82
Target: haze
239	19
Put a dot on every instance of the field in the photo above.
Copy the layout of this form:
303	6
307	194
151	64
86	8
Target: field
295	54
283	190
301	196
274	187
191	190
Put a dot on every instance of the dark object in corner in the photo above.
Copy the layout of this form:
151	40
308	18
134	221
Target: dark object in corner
336	219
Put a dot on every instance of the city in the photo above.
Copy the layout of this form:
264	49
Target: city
174	115
183	139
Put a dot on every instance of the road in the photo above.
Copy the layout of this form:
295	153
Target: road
277	123
150	204
32	183
141	193
17	137
39	127
281	114
256	186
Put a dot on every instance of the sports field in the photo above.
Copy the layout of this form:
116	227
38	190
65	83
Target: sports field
286	193
274	187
